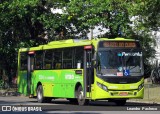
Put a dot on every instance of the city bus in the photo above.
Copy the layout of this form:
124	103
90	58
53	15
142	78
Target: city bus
82	70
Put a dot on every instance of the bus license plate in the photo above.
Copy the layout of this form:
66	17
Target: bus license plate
123	93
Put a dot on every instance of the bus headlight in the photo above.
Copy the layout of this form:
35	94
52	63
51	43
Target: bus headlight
140	86
102	86
99	84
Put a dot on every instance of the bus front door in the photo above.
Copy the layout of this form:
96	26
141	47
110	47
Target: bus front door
88	72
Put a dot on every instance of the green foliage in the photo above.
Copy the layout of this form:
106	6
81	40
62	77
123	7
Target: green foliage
149	13
110	14
19	28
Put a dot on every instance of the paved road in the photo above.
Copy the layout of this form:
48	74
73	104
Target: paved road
63	106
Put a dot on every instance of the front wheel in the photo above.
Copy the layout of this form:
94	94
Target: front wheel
80	97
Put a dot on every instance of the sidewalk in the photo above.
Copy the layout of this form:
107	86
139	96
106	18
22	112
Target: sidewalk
9	92
144	101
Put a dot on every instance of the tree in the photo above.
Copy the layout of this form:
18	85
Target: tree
149	13
25	24
19	28
110	14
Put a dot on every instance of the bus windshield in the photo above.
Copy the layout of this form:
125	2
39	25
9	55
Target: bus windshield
126	62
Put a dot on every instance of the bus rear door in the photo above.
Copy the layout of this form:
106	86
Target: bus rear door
30	68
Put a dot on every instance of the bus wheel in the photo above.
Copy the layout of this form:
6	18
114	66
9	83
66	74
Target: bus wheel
40	97
80	97
120	102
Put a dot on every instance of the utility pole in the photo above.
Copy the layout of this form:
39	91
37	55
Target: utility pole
91	33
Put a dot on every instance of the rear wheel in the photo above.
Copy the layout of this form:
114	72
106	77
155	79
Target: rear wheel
40	97
80	97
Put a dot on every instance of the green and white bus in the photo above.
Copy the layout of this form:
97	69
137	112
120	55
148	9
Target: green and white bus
82	70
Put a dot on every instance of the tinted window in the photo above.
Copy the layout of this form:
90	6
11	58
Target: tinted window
23	61
48	59
68	58
39	60
79	56
57	59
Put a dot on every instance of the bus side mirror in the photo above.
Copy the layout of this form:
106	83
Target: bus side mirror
95	64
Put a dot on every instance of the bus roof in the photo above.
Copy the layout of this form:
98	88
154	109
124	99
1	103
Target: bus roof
71	43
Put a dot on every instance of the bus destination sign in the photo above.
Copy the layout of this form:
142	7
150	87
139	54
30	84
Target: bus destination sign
118	44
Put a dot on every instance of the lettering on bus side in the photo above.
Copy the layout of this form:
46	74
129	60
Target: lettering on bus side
41	77
69	76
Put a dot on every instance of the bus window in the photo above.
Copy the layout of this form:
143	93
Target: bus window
58	66
57	57
23	61
39	60
67	58
48	59
79	56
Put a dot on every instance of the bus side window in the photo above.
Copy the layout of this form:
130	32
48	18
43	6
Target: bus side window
39	60
67	58
79	56
58	66
48	59
23	61
57	59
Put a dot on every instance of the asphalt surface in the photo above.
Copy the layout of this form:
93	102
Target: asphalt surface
29	105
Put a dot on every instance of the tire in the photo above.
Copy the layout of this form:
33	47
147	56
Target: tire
40	97
80	97
120	102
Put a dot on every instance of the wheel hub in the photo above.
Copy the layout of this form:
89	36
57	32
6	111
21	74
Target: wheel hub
39	95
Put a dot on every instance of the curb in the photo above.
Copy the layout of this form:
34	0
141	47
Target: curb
4	93
150	102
